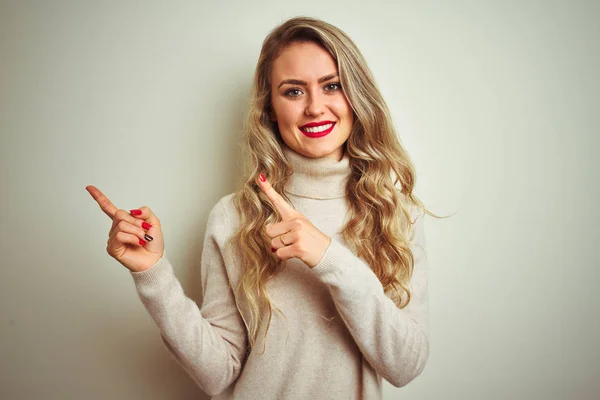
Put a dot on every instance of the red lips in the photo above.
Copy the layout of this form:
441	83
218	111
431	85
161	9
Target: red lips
313	124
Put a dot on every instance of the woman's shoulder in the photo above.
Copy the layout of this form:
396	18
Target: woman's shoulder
223	217
224	207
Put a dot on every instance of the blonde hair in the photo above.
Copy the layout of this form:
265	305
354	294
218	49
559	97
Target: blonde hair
376	229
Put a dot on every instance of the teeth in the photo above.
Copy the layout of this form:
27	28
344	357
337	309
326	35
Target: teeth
316	129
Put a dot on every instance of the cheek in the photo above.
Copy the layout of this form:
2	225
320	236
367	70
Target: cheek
288	113
342	109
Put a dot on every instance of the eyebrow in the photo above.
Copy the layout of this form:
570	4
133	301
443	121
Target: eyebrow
299	82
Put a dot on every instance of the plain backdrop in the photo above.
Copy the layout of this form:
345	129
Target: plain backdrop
497	102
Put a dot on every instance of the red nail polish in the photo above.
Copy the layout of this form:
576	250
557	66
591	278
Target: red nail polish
146	225
262	178
135	212
142	242
273	250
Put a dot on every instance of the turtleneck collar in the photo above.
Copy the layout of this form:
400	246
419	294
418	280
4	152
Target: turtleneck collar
317	178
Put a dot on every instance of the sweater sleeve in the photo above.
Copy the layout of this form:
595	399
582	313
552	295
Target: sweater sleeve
208	342
394	341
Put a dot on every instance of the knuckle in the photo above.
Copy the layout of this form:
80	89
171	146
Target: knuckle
300	252
294	251
155	219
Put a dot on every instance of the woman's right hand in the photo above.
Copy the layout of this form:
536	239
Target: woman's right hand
126	240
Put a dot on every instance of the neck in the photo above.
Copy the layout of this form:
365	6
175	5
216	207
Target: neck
317	178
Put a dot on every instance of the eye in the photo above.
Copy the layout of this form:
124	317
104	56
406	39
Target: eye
293	92
333	87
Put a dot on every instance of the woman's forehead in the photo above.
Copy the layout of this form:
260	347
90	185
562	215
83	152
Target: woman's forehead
304	61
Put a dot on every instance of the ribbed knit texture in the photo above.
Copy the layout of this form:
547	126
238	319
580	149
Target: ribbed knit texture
342	333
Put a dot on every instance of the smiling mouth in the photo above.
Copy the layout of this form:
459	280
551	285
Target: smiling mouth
317	131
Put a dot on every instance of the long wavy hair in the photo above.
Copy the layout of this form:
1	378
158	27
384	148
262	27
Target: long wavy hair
376	229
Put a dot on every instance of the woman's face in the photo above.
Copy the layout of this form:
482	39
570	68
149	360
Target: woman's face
305	91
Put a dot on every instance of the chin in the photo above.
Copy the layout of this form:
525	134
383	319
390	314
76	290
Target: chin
319	152
313	148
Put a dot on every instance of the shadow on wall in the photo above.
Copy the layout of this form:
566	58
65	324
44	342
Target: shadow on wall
145	362
229	169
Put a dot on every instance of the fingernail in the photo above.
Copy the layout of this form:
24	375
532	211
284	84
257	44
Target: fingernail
262	178
148	238
142	242
146	225
135	212
273	250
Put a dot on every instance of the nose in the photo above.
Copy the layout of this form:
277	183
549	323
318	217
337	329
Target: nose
315	105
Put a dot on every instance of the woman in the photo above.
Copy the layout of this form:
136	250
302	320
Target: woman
318	230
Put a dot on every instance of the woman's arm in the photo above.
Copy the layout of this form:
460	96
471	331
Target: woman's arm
210	342
393	340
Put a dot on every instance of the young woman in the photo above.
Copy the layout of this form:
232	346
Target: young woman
324	229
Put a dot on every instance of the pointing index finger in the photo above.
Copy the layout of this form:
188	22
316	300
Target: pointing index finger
282	206
105	204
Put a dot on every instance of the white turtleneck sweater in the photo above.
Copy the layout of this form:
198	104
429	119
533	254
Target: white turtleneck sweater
342	334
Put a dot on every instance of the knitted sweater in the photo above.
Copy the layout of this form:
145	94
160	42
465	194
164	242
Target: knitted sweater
342	334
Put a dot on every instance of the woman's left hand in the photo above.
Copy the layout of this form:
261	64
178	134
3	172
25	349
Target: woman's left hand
295	236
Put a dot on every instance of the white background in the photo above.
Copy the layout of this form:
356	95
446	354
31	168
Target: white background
497	102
